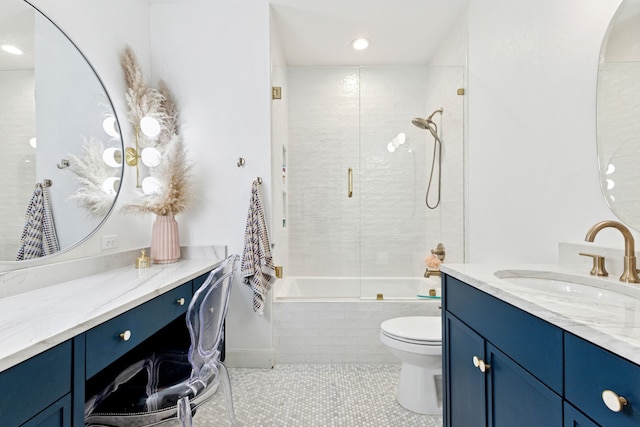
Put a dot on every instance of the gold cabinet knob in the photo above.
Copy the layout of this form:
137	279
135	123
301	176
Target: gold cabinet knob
180	301
613	401
125	335
479	363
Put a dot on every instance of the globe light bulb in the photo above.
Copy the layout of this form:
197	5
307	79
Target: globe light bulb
112	156
151	157
110	126
151	185
149	126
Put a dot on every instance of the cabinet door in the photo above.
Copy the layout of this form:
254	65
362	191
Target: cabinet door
575	418
33	385
56	415
517	398
464	383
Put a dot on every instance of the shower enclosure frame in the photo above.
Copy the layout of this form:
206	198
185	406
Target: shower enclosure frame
377	183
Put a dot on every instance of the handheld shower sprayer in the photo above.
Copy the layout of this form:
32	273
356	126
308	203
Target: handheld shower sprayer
430	125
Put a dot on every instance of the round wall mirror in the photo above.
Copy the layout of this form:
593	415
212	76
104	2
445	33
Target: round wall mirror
56	123
618	114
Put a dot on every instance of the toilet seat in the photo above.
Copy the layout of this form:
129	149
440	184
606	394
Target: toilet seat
420	330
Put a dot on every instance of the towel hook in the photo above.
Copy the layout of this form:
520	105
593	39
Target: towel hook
64	163
259	180
241	161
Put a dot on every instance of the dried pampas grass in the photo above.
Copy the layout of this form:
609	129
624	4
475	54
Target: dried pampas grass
173	173
142	100
91	172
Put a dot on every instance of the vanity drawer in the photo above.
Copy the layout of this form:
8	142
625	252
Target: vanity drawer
107	342
589	370
34	384
199	281
531	342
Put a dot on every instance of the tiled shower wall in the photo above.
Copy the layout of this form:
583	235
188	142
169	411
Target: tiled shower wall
344	117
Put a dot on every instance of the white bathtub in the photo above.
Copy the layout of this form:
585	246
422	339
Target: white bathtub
326	320
345	288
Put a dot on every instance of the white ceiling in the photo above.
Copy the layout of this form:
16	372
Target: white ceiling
313	32
402	32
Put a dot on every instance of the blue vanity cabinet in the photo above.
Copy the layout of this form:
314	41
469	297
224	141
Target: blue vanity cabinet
108	341
48	390
502	366
37	391
591	370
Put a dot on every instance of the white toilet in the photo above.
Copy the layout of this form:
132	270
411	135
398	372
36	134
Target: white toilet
417	342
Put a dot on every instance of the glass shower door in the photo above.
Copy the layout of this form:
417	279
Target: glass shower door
323	144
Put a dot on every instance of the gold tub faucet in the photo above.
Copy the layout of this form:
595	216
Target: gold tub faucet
630	274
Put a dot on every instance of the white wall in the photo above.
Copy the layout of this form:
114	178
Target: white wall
532	167
214	56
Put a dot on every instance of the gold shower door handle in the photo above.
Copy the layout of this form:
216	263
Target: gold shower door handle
350	182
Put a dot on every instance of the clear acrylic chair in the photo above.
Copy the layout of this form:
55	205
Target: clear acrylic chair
167	388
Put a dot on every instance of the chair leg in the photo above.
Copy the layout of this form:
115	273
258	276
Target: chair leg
227	391
184	412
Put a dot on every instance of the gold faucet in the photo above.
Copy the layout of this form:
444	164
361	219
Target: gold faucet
630	274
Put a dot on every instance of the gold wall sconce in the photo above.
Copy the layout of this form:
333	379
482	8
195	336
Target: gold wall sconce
148	156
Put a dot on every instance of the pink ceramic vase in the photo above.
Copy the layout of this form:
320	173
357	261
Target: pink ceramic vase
165	243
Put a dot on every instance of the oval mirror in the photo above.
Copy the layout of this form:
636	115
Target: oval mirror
618	114
56	122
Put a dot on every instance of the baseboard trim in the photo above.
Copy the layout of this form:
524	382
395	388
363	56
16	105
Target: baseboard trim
249	358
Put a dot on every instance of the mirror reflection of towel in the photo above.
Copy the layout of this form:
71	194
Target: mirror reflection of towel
39	233
257	264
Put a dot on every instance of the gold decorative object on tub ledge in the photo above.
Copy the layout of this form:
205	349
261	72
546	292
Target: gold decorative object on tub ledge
434	260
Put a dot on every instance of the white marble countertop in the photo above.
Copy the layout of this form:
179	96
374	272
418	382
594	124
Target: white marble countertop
36	320
606	313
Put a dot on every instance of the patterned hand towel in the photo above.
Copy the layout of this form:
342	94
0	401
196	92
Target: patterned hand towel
257	264
39	233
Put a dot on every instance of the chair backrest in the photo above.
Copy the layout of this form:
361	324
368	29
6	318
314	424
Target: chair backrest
205	320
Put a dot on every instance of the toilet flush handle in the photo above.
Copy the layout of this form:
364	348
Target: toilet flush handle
479	363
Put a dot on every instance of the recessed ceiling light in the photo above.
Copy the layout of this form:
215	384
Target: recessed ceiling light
360	44
9	48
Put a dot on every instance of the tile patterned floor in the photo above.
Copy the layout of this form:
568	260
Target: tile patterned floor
314	395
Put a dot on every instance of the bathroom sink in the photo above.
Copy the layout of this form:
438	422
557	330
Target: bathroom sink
567	288
577	288
583	299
